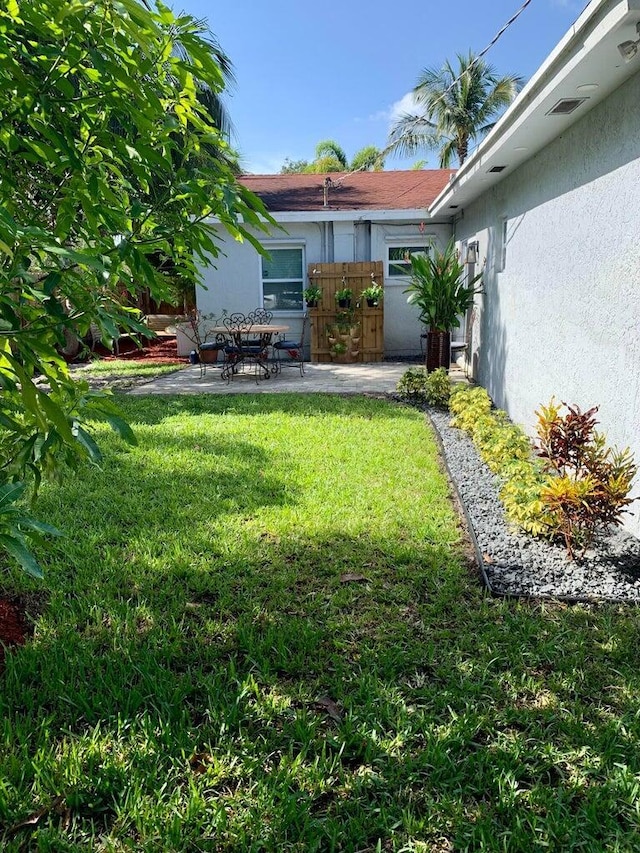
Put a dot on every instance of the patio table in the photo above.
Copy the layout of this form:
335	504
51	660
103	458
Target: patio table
264	333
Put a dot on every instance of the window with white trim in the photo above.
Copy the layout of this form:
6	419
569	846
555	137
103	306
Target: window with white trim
282	278
399	257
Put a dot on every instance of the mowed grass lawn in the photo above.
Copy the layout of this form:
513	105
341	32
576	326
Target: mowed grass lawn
261	634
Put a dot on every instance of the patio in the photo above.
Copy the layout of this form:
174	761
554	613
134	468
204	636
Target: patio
374	378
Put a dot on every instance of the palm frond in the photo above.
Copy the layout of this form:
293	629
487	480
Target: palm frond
457	104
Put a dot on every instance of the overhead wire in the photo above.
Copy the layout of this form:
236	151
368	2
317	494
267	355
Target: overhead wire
455	82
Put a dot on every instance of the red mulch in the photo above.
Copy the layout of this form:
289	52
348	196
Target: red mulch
13	627
156	351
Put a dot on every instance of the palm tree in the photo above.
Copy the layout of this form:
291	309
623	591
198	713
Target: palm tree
457	106
330	157
210	98
368	159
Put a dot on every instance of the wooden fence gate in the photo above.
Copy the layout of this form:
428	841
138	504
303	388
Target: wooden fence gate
346	334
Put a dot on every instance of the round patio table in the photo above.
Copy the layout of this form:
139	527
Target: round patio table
263	331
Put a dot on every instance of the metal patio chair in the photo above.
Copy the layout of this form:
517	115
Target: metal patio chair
241	350
290	353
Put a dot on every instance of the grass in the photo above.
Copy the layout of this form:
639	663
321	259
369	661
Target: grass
120	374
262	635
125	368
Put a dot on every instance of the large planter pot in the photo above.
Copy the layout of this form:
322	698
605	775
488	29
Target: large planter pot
209	356
438	350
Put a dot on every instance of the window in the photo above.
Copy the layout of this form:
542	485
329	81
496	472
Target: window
502	257
399	259
282	279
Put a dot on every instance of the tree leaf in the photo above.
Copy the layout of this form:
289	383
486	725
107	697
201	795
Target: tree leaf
87	441
18	550
122	428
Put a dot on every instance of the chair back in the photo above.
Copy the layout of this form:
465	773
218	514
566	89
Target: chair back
234	322
305	321
260	316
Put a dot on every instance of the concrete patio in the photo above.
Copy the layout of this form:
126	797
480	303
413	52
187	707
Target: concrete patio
375	378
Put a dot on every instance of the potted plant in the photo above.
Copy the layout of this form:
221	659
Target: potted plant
312	295
373	294
338	350
438	289
344	297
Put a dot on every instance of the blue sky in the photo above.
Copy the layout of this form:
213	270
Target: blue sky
338	69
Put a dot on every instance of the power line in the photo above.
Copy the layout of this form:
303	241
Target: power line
329	182
475	60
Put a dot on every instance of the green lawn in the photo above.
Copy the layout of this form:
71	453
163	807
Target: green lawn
121	374
261	635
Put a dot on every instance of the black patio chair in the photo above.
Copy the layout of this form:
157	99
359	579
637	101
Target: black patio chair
260	316
290	353
208	345
241	350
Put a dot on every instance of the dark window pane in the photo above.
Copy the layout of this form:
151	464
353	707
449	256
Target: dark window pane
284	263
281	296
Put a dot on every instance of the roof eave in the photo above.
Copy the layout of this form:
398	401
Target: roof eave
330	215
588	48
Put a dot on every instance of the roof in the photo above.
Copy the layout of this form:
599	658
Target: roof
582	70
392	190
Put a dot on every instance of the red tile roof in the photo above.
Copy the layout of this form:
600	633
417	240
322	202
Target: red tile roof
391	190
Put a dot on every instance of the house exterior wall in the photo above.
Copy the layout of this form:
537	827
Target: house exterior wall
234	282
402	328
563	316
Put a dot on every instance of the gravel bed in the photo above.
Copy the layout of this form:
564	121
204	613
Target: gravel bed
517	564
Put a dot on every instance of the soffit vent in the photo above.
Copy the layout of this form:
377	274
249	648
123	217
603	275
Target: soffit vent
497	169
566	106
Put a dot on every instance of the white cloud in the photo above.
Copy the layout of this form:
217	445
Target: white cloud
406	104
391	114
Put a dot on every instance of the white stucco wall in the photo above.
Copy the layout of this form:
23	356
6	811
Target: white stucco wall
563	317
402	327
234	281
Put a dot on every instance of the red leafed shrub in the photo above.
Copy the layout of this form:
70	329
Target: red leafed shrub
591	482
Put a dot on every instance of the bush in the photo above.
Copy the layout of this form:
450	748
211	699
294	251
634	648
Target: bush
588	483
508	452
418	386
469	406
575	485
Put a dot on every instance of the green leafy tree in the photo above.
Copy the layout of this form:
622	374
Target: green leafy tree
456	106
330	151
330	157
108	159
368	159
293	167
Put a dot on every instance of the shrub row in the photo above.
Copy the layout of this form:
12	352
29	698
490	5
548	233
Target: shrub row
567	485
418	386
575	485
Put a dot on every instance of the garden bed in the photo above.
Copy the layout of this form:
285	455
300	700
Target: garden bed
515	563
13	626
